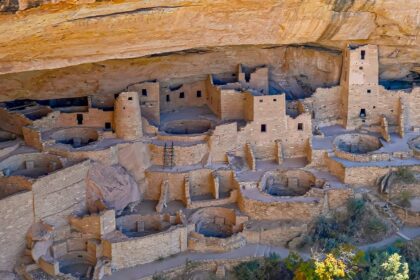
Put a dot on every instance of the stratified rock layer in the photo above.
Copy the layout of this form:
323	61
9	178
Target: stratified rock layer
63	34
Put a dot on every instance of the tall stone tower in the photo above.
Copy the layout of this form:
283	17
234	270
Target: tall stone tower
127	116
359	85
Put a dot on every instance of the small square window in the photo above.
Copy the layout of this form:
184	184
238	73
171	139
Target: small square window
360	68
144	92
263	128
274	100
168	98
369	91
182	95
261	100
374	107
300	126
130	98
198	93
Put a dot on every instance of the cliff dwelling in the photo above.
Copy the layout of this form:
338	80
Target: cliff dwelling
117	157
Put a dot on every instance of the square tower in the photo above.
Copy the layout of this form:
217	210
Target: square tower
360	86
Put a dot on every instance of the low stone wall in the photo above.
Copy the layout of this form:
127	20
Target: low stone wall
201	243
130	252
183	155
182	138
273	233
302	209
369	157
106	156
233	198
410	218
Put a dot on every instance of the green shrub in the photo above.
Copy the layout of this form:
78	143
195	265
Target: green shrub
327	234
404	199
405	175
270	267
374	227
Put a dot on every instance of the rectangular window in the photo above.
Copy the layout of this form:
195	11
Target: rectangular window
362	55
181	94
362	113
144	92
107	126
198	93
130	98
168	98
79	118
300	126
263	128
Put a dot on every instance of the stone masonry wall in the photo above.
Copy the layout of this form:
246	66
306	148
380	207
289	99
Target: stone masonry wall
16	218
60	194
136	251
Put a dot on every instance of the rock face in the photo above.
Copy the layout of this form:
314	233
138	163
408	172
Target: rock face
70	33
110	187
294	69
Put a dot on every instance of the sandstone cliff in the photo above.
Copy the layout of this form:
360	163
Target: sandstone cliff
72	32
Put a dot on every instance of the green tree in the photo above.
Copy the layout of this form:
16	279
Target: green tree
387	267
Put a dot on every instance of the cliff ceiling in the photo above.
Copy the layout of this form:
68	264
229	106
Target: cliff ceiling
99	40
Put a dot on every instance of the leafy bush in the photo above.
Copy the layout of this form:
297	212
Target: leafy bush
374	227
268	268
405	175
404	198
327	234
385	266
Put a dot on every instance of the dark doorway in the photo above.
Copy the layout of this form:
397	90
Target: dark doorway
263	128
362	113
79	119
362	55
